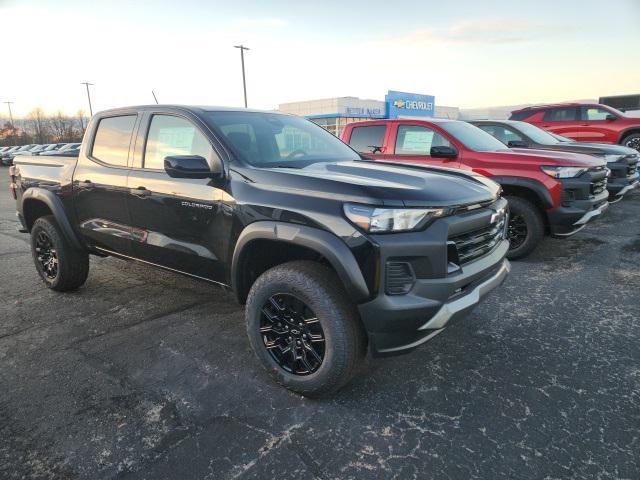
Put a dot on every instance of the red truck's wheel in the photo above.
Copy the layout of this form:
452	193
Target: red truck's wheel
526	227
632	141
60	266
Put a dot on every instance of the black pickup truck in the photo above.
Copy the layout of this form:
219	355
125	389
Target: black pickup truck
330	253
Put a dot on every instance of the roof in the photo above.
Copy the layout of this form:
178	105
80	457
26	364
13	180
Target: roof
191	108
554	105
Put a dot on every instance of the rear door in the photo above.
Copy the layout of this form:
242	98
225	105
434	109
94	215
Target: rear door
370	140
594	126
180	223
412	143
100	183
563	121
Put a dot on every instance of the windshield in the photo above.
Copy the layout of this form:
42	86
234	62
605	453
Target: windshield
270	140
472	137
536	134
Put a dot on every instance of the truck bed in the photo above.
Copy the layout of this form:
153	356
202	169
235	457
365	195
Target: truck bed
52	171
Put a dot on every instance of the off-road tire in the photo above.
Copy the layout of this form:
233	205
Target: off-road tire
632	141
72	264
534	223
321	290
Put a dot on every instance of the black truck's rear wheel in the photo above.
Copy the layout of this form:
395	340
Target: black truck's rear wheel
525	229
60	265
304	329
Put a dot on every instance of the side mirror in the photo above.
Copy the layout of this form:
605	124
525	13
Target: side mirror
517	144
188	166
610	118
443	152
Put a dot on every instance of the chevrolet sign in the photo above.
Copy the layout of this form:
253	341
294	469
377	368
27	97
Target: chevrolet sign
409	104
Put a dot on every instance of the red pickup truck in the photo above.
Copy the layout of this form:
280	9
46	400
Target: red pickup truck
555	193
584	122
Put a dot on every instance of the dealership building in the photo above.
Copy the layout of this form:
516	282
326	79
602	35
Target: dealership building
335	113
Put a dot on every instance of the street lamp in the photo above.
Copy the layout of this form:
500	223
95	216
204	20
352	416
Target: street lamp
244	81
86	84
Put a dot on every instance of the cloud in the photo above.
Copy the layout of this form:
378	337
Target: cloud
264	22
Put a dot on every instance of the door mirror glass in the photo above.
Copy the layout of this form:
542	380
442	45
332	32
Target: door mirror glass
443	152
517	144
187	166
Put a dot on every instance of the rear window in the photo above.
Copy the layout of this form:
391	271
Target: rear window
521	115
561	115
113	137
367	139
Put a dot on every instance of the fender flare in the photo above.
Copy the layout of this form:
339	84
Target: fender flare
628	131
57	209
326	244
538	188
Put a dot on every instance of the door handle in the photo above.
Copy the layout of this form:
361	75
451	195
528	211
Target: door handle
140	192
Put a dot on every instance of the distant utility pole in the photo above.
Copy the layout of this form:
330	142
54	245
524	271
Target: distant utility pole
154	96
244	81
10	114
86	84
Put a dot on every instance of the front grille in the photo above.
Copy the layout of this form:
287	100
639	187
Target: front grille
400	278
598	186
474	244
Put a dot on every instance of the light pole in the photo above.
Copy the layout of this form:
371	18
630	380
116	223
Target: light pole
10	114
86	84
244	81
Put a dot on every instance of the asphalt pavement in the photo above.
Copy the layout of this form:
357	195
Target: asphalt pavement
144	374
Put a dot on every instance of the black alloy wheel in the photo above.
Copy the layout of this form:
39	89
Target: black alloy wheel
47	255
292	334
633	142
517	231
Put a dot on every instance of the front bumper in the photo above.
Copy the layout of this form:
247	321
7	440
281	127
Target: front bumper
399	323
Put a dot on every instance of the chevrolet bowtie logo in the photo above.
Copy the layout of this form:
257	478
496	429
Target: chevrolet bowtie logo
399	103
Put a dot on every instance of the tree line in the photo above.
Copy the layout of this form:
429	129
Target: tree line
40	127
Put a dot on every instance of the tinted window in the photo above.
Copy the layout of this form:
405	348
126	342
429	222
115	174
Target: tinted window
561	115
521	115
503	134
275	140
415	140
595	113
170	135
367	139
113	137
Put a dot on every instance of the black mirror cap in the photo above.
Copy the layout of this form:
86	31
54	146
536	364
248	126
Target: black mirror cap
443	152
610	118
189	166
517	144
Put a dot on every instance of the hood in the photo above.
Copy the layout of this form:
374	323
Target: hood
556	157
381	183
590	148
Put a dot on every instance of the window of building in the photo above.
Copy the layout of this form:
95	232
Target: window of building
368	139
561	115
112	140
169	135
416	140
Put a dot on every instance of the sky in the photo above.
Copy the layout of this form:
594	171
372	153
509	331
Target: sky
468	53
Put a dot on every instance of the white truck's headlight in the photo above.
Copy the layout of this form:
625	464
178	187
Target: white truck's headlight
382	220
563	172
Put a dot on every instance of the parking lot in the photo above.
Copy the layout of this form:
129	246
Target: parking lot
147	374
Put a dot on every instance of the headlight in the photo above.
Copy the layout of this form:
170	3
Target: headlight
381	220
613	158
563	172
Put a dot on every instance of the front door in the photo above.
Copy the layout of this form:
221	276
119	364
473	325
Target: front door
594	126
100	185
413	144
180	223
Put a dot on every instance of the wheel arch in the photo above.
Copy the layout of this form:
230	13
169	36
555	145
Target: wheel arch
626	133
37	202
263	241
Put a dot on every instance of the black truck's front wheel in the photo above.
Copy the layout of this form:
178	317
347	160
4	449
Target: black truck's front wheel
525	229
61	266
304	329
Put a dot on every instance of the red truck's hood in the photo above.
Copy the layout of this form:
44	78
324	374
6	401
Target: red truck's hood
552	157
